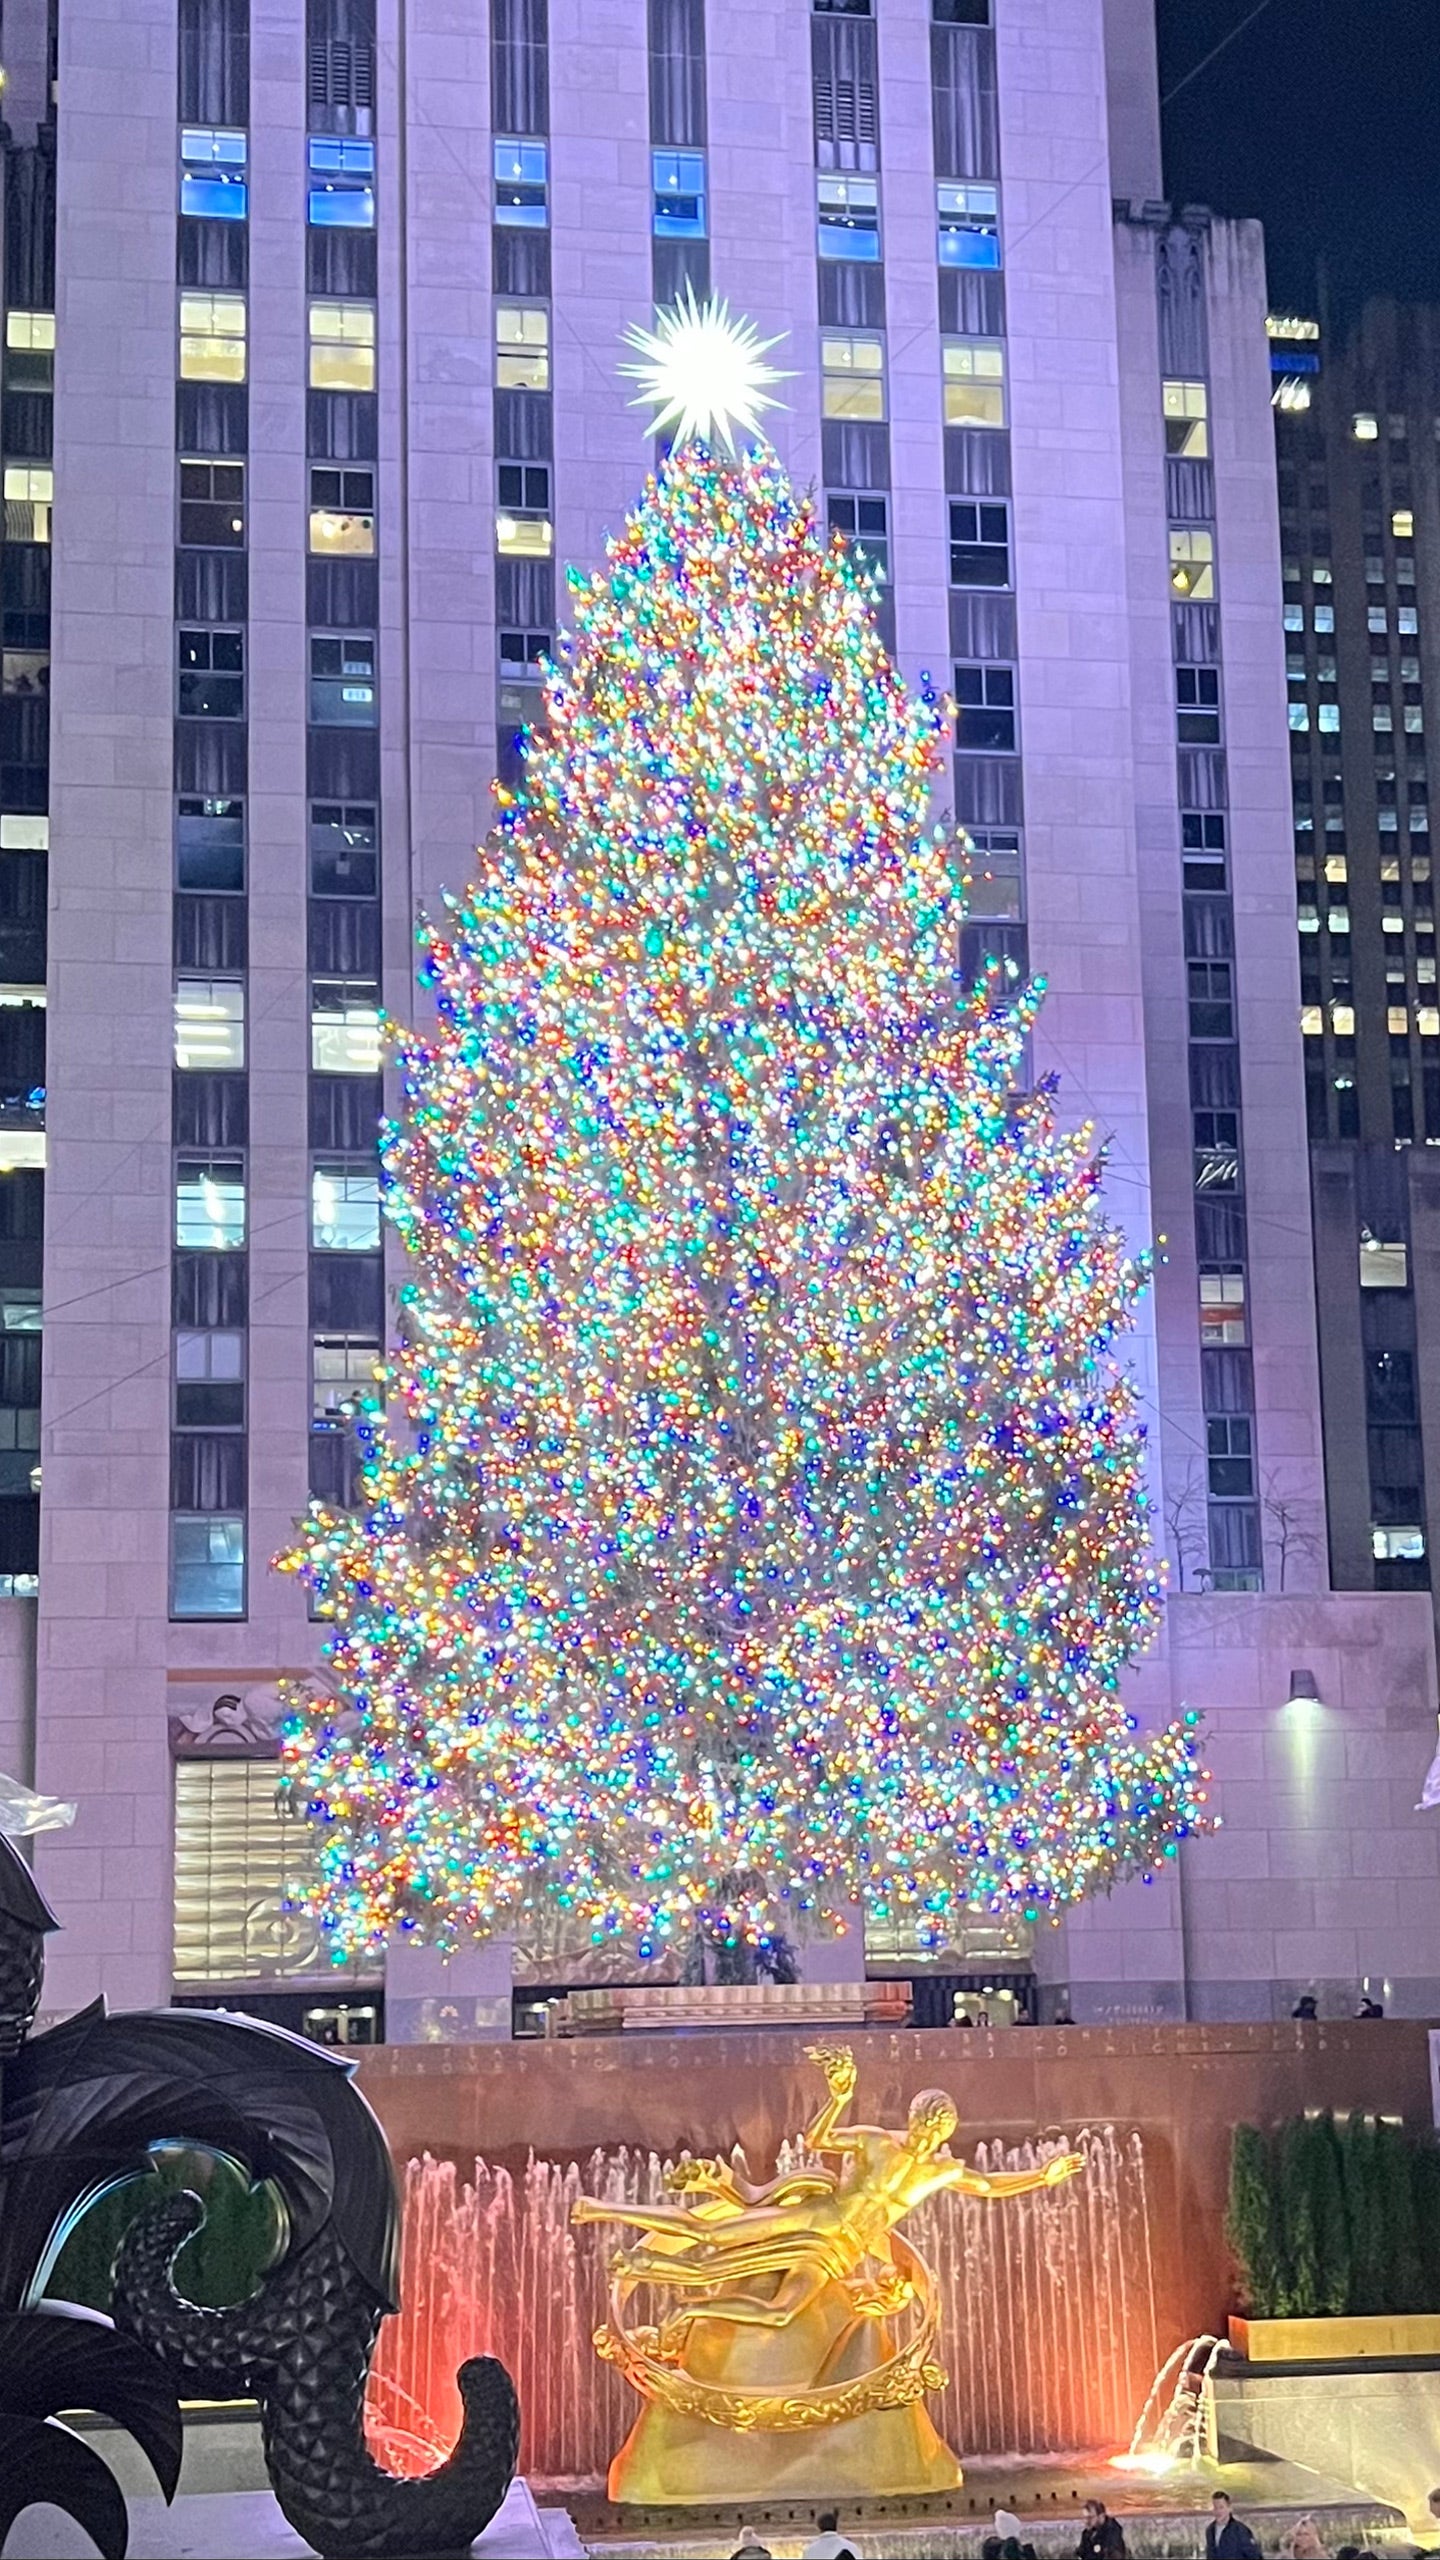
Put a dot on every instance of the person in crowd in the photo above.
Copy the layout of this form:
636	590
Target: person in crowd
1102	2536
1303	2541
1227	2536
1370	2008
1306	2006
829	2543
750	2546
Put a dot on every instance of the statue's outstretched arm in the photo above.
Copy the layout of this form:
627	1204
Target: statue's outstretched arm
1014	2182
838	2064
671	2219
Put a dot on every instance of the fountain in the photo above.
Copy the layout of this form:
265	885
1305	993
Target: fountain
1048	2309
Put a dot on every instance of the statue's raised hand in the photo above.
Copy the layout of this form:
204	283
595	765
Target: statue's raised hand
838	2064
697	2177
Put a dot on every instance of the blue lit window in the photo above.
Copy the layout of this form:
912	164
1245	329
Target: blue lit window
521	185
344	197
679	180
969	219
207	1566
212	173
849	211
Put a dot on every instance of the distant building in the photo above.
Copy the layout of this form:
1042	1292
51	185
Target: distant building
312	321
1356	429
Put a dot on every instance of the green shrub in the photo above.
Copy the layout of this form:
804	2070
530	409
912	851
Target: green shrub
1321	2221
1251	2221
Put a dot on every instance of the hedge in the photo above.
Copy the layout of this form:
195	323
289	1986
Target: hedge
1324	2219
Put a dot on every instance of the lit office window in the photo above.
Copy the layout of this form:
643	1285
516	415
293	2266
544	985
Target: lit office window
207	1568
342	346
1187	419
344	1028
853	376
29	498
345	1208
210	1203
969	225
212	173
522	346
1192	563
522	185
974	371
848	212
343	1367
679	183
342	183
209	1022
342	511
212	337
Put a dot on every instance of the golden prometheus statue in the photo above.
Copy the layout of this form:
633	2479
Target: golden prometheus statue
801	2334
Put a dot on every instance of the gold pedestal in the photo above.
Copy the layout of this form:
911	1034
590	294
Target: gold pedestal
685	2462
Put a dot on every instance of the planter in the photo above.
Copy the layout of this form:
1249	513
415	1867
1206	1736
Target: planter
1380	2337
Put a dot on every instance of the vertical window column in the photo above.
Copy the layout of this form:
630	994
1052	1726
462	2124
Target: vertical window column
681	210
210	1090
1236	1559
850	261
524	420
342	740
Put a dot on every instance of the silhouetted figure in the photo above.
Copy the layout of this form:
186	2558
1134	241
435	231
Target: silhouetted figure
1306	2006
1370	2008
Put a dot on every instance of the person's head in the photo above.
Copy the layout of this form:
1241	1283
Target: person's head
1095	2510
990	2547
1010	2548
829	2522
1221	2505
933	2118
1433	2503
1348	2551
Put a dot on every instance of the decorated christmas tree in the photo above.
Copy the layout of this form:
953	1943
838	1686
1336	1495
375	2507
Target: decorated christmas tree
752	1517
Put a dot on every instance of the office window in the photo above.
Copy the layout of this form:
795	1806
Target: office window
1402	524
1299	715
29	497
210	1381
210	844
1407	619
342	511
1390	1387
207	1567
1197	706
1322	617
1328	717
969	225
863	524
209	1022
212	337
1216	1141
212	505
345	1207
342	680
960	13
1186	407
210	683
522	652
985	720
29	350
1390	1545
1366	429
523	537
343	1367
522	346
1202	842
678	178
979	544
1192	562
849	217
524	485
1230	1452
342	346
522	185
344	1028
212	173
852	372
344	850
974	374
210	1203
997	888
1222	1306
1383	1265
342	183
1211	1000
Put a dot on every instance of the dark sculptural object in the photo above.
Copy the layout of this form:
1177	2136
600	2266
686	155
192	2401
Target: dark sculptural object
81	2107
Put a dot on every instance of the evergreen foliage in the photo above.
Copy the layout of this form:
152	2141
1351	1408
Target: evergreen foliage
1323	2221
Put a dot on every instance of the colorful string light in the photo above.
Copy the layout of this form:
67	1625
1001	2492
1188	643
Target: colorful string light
754	1513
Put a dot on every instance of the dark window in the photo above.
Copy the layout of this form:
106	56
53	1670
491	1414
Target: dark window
1217	1150
525	485
211	682
1229	1442
979	544
863	524
1212	1010
342	492
1202	839
210	844
1197	698
212	504
342	680
1390	1386
960	13
986	719
344	851
524	649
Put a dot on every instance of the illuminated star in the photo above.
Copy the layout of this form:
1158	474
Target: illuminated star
702	372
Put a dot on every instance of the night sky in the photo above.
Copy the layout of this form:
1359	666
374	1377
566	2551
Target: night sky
1323	118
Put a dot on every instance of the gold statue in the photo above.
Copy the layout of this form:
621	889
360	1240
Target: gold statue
784	2321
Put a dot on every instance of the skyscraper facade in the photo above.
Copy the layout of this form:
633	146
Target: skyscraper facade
1360	526
338	300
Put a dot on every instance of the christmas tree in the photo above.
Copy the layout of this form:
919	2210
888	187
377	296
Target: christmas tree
752	1516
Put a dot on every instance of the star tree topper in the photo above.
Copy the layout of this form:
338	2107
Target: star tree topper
702	372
